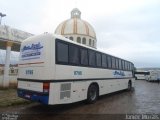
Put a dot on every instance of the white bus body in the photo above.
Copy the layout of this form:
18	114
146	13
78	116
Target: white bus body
154	75
46	78
141	75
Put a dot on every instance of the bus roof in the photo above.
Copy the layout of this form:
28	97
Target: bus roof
70	41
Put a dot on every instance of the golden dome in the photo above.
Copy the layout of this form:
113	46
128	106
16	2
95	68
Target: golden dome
77	29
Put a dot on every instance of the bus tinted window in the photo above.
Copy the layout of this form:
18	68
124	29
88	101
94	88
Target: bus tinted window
104	61
117	63
130	65
98	59
92	58
62	52
113	62
123	67
109	61
120	64
126	65
84	57
73	54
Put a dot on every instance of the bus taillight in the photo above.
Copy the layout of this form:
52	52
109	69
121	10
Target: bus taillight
45	87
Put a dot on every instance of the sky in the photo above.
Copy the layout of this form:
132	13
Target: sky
129	29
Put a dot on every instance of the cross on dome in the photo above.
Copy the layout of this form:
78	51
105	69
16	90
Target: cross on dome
75	13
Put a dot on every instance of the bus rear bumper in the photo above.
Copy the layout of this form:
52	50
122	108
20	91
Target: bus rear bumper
33	96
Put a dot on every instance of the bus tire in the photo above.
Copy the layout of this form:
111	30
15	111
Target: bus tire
92	93
129	85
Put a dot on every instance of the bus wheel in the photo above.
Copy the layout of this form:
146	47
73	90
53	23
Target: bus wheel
129	85
92	94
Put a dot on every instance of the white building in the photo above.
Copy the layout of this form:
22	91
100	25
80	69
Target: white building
10	40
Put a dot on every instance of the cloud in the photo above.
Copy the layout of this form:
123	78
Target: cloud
133	35
125	28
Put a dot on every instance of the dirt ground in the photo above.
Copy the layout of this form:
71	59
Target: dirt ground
8	97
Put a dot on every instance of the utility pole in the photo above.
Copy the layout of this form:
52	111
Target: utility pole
1	15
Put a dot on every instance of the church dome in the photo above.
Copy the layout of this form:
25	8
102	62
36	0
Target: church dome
77	29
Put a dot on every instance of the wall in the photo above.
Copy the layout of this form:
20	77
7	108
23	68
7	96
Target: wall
13	74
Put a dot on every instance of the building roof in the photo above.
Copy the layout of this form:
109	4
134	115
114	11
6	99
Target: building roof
75	26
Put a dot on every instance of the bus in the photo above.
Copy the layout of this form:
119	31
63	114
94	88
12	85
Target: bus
141	75
55	70
154	75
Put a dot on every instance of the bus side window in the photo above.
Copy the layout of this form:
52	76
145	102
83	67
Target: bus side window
109	61
73	54
117	67
92	58
113	63
130	66
62	53
123	66
120	64
84	57
104	61
98	60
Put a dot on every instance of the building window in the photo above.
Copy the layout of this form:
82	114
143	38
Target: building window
90	42
71	38
62	52
93	43
12	70
78	39
84	41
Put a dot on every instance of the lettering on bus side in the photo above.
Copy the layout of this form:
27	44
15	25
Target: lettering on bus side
117	73
32	47
32	51
77	72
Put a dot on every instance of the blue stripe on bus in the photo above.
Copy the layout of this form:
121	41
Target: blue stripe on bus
33	96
